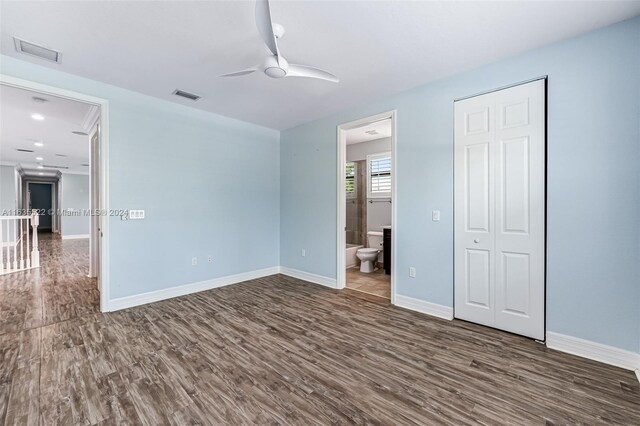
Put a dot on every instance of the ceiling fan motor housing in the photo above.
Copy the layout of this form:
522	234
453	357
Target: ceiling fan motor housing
275	68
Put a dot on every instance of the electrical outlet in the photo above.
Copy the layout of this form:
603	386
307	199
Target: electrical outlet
194	261
412	272
210	259
304	253
435	215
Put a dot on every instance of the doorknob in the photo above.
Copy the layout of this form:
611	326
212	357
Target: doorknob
476	240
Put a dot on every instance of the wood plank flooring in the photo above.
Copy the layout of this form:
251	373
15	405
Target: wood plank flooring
57	291
278	350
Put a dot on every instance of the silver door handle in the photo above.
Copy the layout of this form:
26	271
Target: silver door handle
476	241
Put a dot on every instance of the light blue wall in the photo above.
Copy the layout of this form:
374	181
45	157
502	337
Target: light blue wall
75	198
209	185
593	283
8	197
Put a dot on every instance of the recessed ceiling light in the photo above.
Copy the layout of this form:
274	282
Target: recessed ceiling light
39	158
41	167
38	117
41	174
80	133
39	144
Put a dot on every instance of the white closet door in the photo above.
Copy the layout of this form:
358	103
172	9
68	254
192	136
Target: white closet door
474	214
500	267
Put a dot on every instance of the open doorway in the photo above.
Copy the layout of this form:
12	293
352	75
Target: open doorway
366	170
52	144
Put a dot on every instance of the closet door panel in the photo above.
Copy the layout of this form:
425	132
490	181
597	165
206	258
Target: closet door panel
499	212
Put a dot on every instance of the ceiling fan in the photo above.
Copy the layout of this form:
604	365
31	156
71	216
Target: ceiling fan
275	65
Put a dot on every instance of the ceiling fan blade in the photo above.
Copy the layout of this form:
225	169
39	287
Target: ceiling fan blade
240	73
296	70
265	27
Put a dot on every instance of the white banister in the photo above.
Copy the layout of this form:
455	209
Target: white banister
35	253
14	231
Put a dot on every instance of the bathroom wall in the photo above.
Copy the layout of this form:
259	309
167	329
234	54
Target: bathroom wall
359	151
378	212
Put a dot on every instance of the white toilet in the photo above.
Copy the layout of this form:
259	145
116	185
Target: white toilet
368	256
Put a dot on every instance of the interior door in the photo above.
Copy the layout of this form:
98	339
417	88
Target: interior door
500	209
41	198
474	215
94	201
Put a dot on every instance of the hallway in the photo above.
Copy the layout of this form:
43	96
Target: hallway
57	291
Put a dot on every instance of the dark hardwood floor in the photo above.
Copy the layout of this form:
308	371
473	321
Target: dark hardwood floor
276	350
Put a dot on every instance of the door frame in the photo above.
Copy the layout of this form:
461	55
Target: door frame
94	200
341	240
103	105
546	183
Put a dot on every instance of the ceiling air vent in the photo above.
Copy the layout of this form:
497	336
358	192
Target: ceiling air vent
186	95
49	166
60	155
24	150
33	49
372	132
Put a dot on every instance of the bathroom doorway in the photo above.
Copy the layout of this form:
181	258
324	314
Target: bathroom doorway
366	205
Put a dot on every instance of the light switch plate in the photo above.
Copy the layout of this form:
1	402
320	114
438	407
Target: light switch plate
136	214
412	272
435	215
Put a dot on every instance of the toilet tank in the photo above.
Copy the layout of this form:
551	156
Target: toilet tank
374	239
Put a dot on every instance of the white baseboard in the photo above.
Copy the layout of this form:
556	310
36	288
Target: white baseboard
433	309
595	351
308	276
75	237
183	290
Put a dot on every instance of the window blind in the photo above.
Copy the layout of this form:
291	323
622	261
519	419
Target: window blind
350	180
380	175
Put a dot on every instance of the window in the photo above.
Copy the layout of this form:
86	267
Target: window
351	187
379	175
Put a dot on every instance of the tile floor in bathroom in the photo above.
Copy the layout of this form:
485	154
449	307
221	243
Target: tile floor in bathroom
376	283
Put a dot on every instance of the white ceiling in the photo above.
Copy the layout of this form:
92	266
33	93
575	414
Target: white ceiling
382	129
20	131
376	47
